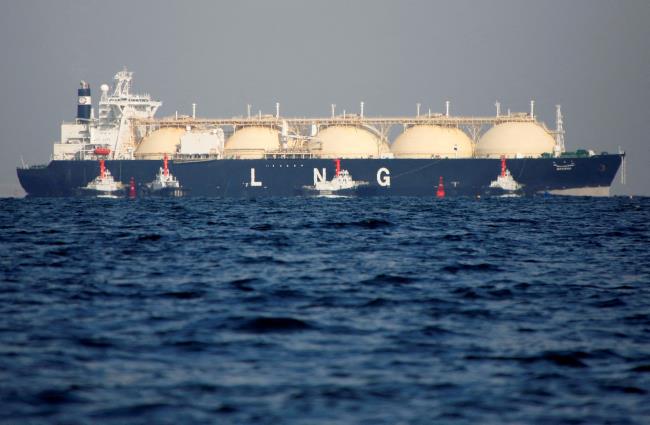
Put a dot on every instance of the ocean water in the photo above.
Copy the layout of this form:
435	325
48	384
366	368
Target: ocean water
325	311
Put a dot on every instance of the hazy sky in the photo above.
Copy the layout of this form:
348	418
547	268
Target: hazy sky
592	56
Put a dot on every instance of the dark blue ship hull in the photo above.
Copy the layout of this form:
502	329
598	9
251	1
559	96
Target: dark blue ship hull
288	177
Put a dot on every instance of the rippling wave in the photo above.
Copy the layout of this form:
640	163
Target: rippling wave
321	311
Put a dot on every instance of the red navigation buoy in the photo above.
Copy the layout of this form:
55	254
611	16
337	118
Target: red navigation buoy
503	166
337	161
165	166
440	193
132	188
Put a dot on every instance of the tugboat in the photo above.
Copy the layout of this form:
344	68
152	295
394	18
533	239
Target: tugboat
505	185
165	184
341	185
104	185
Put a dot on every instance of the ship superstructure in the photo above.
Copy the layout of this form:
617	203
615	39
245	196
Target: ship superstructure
113	129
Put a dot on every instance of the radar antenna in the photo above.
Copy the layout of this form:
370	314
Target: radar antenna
123	83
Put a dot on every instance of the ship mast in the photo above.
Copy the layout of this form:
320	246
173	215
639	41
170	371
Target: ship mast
123	83
559	131
117	112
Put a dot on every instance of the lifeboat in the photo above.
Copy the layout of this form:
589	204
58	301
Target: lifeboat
102	151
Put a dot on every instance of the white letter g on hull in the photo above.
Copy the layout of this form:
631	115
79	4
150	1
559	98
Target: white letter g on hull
383	177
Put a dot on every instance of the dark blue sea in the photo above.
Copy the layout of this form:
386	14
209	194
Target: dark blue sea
325	311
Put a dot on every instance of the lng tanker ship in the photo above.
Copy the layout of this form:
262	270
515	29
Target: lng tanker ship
435	154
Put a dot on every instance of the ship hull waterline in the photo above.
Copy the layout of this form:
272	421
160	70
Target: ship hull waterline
386	177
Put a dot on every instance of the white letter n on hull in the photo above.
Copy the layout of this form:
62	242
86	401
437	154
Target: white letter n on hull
318	177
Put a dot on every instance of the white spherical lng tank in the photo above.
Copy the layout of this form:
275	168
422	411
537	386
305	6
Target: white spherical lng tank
432	141
160	142
343	141
252	142
515	140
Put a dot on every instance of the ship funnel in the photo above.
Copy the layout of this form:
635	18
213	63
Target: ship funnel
84	103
